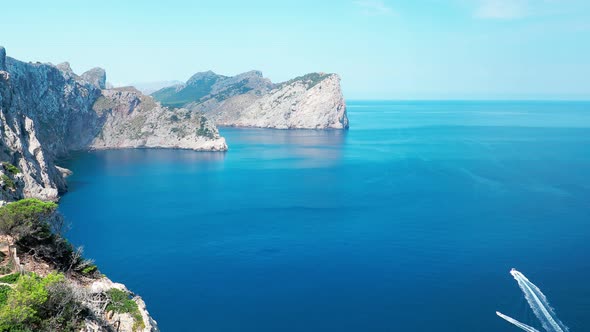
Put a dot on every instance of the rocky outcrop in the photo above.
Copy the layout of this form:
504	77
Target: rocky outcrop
310	103
131	119
313	101
96	77
104	319
48	111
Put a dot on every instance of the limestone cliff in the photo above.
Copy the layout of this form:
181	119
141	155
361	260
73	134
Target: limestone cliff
313	101
47	111
131	119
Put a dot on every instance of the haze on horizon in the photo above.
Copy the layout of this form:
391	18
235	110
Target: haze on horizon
383	49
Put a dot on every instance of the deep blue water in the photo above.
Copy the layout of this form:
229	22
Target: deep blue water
410	221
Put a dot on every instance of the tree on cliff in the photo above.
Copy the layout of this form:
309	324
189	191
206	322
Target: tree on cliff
36	227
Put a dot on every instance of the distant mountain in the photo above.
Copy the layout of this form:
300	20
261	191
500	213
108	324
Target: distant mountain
149	87
208	84
312	101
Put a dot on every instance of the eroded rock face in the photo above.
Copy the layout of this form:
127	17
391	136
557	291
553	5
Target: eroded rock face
302	103
96	77
313	101
47	111
131	119
122	322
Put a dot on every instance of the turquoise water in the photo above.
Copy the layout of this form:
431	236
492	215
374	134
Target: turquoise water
410	221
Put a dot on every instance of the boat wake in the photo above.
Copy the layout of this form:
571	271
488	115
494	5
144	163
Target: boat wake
539	304
517	323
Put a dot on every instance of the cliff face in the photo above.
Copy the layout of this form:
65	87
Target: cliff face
131	119
47	111
313	101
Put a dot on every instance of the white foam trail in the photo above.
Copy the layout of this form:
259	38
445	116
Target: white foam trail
517	323
539	304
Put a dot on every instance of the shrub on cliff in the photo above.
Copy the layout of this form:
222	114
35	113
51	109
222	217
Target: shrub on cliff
28	217
10	279
10	168
41	304
36	227
4	290
203	129
120	302
8	182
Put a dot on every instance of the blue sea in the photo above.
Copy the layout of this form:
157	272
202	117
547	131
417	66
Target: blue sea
409	221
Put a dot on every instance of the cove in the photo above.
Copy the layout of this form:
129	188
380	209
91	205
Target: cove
409	221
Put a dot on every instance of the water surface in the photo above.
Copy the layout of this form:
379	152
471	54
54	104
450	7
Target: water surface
410	221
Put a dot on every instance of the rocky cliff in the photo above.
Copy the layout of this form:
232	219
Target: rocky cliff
46	111
313	101
85	300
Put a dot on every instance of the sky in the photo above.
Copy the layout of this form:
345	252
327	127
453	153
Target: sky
382	49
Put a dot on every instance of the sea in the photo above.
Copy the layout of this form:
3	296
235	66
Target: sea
411	220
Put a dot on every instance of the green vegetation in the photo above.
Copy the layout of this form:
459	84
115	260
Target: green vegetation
90	269
10	279
35	303
203	129
10	168
8	268
237	89
40	304
36	227
311	79
4	290
180	132
26	217
174	118
8	182
120	302
192	92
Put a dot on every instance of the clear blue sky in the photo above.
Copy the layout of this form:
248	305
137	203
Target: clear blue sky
389	49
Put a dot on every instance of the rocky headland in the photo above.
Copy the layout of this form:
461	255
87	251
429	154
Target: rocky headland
312	101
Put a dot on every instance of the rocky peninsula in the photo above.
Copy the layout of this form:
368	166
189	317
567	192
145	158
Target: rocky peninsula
312	101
